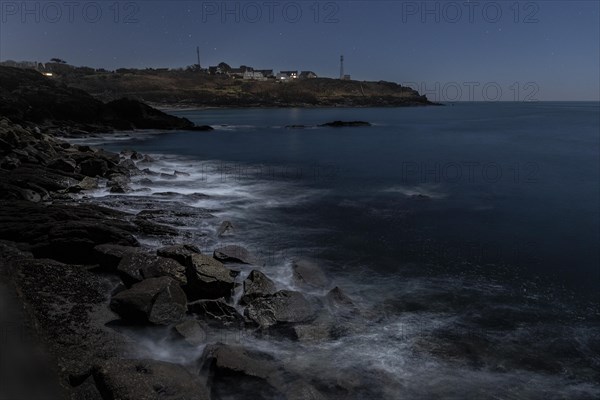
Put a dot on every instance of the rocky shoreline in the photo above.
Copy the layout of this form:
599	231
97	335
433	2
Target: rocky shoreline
84	279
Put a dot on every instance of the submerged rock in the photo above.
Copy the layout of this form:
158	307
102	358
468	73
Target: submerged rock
341	124
310	274
190	332
337	298
158	301
224	228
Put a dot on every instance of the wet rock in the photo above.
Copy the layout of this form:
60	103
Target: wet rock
147	159
208	279
147	380
119	189
309	274
223	360
312	333
137	266
235	369
224	228
190	332
234	254
88	183
128	163
167	176
337	298
216	312
182	253
257	285
281	308
149	172
118	179
159	301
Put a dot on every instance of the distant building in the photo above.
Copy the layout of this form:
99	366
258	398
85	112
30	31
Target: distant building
237	72
308	75
254	75
267	73
346	78
287	75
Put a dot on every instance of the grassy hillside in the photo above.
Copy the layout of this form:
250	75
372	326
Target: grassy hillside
189	88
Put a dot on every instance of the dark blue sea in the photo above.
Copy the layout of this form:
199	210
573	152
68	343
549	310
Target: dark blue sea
468	232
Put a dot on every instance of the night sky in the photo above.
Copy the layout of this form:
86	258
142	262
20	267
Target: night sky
541	50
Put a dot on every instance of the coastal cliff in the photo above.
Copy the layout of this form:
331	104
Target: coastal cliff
28	97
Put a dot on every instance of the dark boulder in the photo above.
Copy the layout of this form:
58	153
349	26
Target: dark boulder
108	256
257	285
233	370
309	274
88	183
63	164
93	167
182	253
234	254
147	380
216	312
137	266
190	332
229	359
208	279
281	308
224	228
119	189
159	301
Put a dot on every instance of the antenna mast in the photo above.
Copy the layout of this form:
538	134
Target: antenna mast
342	67
198	53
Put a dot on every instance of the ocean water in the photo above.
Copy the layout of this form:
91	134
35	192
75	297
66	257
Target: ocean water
467	234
